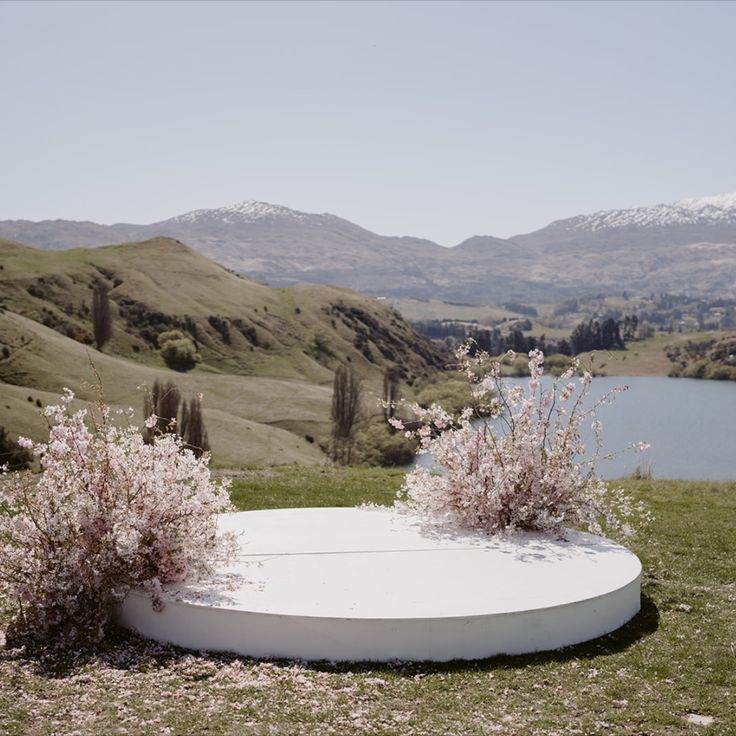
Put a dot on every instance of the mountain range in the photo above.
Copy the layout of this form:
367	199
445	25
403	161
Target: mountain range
685	247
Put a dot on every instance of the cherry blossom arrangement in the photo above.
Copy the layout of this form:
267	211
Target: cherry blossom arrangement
108	512
523	467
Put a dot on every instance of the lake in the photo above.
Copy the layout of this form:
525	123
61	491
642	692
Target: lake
690	425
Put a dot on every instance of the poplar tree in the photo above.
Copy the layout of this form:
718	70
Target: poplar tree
346	395
163	400
390	392
101	316
192	427
175	415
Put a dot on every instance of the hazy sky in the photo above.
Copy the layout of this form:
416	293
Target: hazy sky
440	120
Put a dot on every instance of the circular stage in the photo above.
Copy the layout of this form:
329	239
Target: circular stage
371	584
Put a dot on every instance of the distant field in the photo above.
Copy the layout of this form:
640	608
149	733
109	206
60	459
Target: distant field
647	357
641	358
416	310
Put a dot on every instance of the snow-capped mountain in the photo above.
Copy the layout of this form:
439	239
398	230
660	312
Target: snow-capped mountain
720	209
688	246
687	221
249	210
282	246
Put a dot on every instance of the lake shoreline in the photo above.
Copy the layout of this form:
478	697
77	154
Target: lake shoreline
684	420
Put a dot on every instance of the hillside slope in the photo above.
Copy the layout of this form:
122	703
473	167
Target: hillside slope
239	325
267	355
60	234
248	418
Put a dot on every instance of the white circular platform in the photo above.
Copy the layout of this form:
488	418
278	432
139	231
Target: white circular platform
371	584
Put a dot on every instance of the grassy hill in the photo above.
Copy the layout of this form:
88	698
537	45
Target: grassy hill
249	419
240	326
267	355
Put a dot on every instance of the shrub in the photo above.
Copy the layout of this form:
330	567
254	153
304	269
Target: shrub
377	444
178	350
451	393
109	512
528	475
720	372
556	364
696	369
222	326
318	347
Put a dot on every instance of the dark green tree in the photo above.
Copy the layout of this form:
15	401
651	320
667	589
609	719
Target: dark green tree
163	401
101	315
346	396
191	427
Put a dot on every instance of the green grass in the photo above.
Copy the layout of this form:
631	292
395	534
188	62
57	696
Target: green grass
677	657
648	357
283	487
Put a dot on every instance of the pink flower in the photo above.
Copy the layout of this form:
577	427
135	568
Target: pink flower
528	472
107	513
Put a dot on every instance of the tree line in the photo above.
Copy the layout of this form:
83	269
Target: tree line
175	415
592	334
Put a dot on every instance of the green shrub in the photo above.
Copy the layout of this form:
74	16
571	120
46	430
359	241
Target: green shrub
695	370
451	393
556	364
318	347
720	372
178	350
379	445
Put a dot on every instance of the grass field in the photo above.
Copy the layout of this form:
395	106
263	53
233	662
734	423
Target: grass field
641	358
648	357
671	670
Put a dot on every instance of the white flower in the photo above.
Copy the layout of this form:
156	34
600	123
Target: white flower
531	475
108	512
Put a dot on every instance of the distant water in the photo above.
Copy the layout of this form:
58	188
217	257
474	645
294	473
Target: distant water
689	423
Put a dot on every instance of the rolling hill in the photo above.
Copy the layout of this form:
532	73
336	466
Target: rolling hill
267	355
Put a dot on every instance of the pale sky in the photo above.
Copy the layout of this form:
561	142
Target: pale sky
432	119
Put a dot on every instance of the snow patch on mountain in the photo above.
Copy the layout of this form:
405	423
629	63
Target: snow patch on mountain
719	209
247	211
